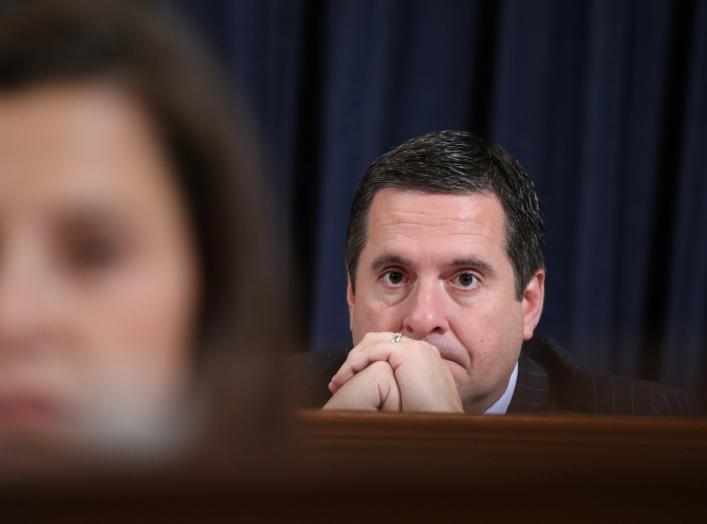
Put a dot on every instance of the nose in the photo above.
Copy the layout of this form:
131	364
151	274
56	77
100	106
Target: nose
426	311
24	306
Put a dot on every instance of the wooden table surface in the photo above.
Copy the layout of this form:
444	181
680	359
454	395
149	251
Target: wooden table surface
355	467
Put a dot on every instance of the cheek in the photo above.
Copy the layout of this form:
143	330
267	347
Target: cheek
491	335
368	318
141	326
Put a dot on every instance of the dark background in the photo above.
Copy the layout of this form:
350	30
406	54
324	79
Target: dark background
604	102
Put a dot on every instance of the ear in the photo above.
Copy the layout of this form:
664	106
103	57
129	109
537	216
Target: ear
350	300
532	303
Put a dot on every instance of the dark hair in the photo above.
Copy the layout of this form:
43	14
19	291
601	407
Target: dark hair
456	162
144	51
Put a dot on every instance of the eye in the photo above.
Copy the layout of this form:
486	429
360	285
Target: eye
92	253
393	277
97	253
465	280
94	241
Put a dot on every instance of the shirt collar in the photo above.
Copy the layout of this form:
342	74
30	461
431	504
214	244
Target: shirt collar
501	405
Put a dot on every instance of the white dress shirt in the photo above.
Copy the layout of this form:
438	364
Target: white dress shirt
501	405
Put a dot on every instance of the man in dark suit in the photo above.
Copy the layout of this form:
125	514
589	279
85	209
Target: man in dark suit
446	282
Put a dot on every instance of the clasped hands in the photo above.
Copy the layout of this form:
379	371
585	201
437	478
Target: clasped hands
382	375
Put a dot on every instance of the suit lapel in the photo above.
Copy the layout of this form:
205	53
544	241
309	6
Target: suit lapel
532	393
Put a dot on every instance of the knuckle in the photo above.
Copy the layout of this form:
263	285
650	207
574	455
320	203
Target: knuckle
381	368
368	337
430	349
354	352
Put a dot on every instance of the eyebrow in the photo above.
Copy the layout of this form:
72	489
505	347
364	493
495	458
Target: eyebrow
388	260
81	217
476	263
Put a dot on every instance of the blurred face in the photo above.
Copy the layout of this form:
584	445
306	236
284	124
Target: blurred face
98	275
435	268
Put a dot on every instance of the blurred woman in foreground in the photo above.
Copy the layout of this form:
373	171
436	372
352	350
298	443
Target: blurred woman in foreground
136	261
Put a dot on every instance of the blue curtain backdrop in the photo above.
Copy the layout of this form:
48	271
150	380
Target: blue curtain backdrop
604	102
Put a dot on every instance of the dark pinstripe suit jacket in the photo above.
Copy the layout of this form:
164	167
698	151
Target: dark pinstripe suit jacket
548	381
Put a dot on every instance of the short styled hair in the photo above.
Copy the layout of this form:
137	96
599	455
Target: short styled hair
456	162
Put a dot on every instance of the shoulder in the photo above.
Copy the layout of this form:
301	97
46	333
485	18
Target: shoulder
576	389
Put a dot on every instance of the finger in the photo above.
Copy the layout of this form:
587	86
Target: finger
372	389
424	382
354	363
395	353
415	354
357	359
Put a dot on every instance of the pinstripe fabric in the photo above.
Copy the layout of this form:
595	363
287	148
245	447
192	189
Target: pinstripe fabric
533	393
548	381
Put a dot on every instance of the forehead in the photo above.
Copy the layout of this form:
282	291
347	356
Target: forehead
75	141
441	223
